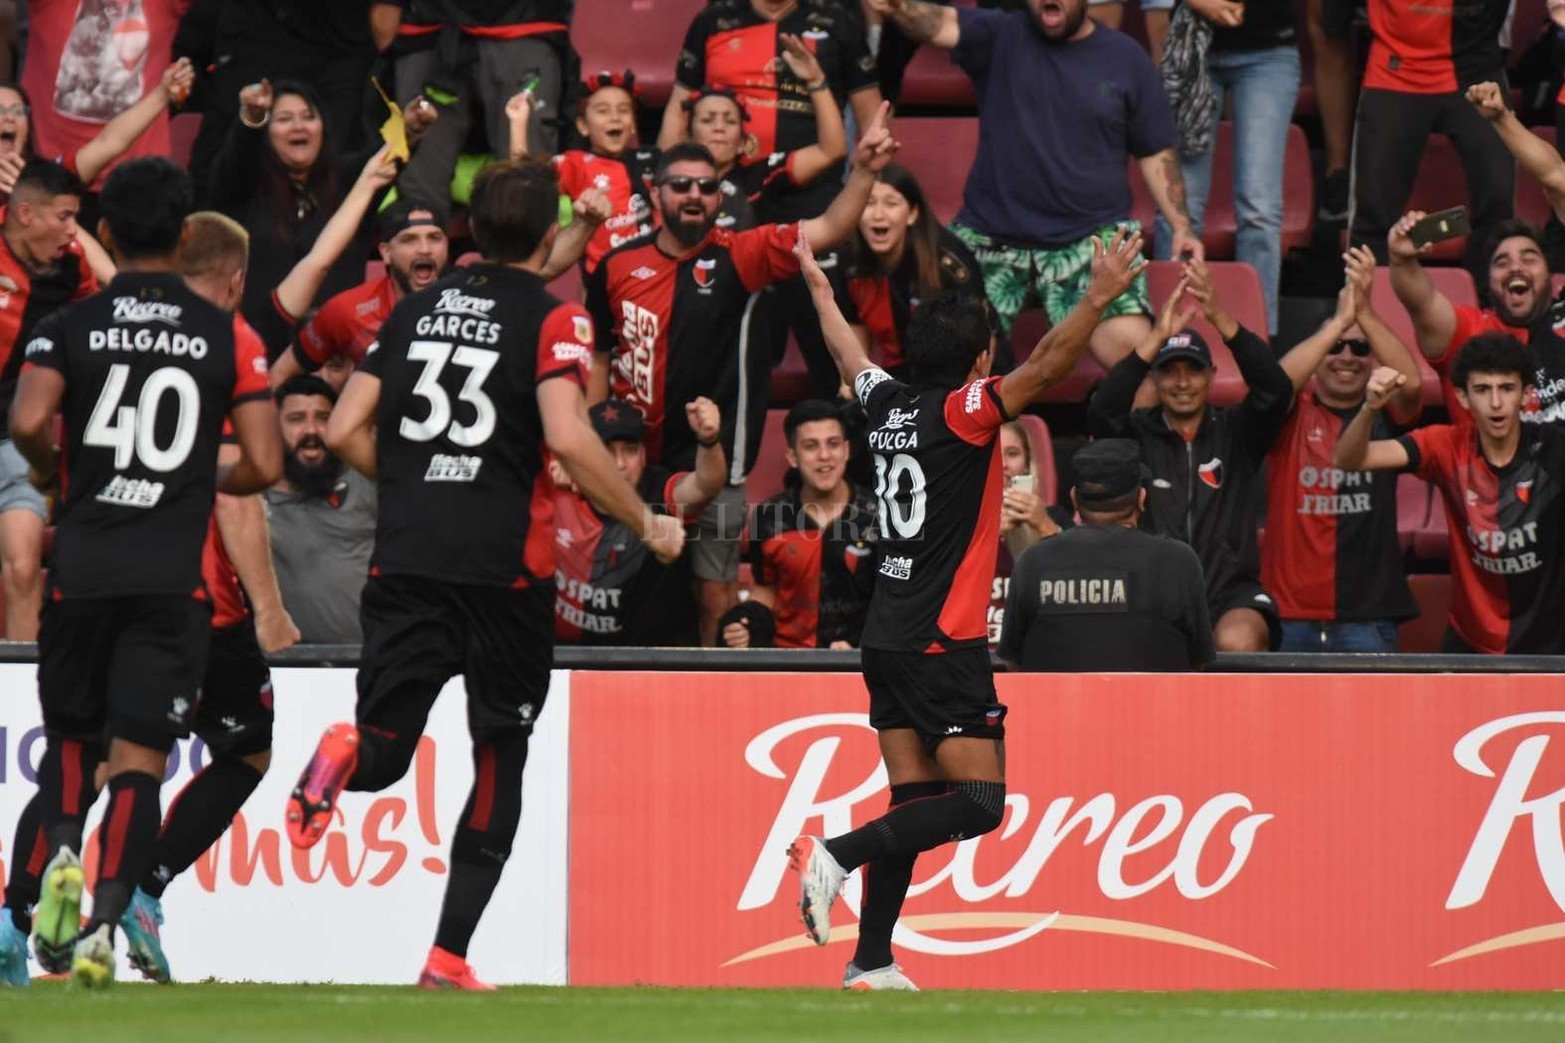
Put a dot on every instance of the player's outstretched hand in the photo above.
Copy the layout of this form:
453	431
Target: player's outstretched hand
877	148
665	537
1399	245
1115	266
1383	383
1488	99
593	206
706	420
809	267
275	630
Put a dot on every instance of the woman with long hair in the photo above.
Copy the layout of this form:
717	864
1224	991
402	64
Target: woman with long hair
1024	517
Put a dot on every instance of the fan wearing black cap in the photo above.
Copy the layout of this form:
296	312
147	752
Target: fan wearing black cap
413	245
1106	596
1206	461
610	590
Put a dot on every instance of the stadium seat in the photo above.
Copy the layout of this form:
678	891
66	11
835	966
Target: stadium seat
642	35
1031	325
939	151
1441	184
1532	205
1432	595
1413	496
1527	22
766	479
1042	447
182	131
1432	542
933	79
1455	283
567	285
790	379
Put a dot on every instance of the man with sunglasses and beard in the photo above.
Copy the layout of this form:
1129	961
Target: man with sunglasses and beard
1331	558
322	518
675	314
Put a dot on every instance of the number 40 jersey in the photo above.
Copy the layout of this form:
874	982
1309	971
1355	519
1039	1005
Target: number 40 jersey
464	494
151	371
938	477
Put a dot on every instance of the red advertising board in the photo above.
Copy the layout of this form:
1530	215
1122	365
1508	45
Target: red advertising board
1161	832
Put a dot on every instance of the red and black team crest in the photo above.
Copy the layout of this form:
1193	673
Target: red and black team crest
1524	491
703	272
1211	473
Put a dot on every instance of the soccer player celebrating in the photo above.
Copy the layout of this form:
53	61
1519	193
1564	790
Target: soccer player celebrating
926	661
144	374
451	411
1501	480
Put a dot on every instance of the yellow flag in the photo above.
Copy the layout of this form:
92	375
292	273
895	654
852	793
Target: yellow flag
394	131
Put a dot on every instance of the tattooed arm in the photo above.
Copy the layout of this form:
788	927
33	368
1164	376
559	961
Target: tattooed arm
920	21
1167	185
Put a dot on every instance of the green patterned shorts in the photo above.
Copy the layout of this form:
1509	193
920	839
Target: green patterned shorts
1060	277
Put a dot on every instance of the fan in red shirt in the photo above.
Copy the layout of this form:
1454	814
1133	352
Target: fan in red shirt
1503	483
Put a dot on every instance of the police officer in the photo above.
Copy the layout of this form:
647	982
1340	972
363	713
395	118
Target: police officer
1106	596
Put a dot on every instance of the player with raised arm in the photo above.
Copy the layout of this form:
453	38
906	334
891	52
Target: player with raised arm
925	659
144	374
451	412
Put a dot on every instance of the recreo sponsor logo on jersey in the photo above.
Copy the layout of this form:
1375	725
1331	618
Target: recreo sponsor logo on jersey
134	309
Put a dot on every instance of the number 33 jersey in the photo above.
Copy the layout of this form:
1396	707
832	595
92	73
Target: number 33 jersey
938	478
151	371
464	494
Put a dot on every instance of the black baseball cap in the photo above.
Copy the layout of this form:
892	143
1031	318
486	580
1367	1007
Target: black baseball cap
405	214
1107	470
618	422
1186	344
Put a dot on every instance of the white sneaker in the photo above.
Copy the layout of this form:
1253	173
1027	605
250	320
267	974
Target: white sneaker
820	878
889	978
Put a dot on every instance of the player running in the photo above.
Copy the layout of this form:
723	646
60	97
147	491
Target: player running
925	655
450	412
144	374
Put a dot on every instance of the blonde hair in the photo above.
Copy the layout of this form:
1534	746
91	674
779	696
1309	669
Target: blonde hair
214	245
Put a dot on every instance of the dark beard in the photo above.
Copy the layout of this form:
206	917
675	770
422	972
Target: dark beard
1072	25
688	235
312	481
402	279
1510	318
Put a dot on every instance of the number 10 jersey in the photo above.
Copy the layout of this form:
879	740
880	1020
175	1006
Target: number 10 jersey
151	371
464	494
938	478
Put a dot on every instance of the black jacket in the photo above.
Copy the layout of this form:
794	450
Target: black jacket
1206	491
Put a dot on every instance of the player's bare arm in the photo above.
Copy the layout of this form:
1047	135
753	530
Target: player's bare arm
922	22
260	461
876	149
591	209
703	484
241	522
1355	450
38	395
846	348
350	433
1114	268
1537	158
1433	314
569	434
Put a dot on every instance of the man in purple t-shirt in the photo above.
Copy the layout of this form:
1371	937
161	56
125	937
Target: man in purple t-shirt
1063	103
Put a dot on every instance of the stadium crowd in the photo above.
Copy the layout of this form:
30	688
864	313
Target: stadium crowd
1322	477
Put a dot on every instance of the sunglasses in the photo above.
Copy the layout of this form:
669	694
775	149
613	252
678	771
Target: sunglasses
16	111
682	183
1357	345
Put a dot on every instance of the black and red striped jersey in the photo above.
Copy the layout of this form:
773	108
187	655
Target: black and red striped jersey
1507	527
26	297
882	303
821	577
347	324
151	372
1545	401
626	180
611	590
1331	550
939	480
679	327
464	495
732	47
1418	47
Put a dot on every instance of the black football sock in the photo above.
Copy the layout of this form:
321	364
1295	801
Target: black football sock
197	817
968	809
27	862
66	791
483	840
886	882
125	843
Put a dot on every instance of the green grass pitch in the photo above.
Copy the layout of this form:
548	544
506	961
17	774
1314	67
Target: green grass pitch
129	1013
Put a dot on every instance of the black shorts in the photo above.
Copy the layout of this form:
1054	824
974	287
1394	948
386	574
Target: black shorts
938	696
128	666
419	633
234	714
1246	593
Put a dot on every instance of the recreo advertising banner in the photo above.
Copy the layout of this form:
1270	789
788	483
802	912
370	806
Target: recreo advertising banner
1161	832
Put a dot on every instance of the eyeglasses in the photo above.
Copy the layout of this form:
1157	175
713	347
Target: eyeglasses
682	183
16	111
1357	345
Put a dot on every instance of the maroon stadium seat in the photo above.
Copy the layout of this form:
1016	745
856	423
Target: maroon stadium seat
1527	22
1455	283
1532	205
1432	542
1042	447
642	35
1440	185
1432	594
567	286
1412	508
932	78
939	151
766	479
182	131
790	380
